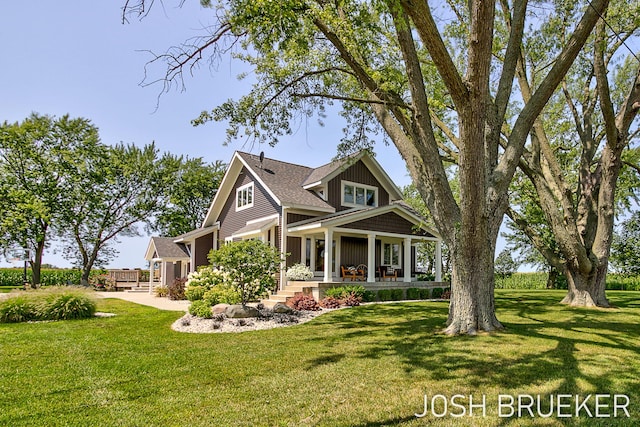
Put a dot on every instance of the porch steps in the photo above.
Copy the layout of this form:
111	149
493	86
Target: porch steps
283	295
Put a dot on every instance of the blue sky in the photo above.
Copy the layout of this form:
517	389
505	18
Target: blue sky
77	57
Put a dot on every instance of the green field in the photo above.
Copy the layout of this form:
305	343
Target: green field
365	366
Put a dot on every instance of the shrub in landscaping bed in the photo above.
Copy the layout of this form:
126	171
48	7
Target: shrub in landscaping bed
303	302
330	302
446	294
195	293
397	294
368	296
425	293
161	291
176	289
437	293
413	293
351	300
384	294
221	294
200	308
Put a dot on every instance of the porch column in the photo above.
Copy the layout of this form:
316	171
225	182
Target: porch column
283	249
192	257
371	257
312	255
407	260
151	274
328	249
438	261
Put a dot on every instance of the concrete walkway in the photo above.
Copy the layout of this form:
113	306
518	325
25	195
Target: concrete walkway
144	298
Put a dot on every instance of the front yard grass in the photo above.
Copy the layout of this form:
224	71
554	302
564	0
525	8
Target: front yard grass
364	366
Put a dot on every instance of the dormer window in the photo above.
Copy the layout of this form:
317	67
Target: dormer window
244	197
359	195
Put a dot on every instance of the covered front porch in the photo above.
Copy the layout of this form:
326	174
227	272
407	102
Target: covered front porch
380	244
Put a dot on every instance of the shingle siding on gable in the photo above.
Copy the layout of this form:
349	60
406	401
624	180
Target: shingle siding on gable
357	173
263	205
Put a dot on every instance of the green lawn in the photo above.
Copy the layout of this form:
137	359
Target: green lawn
365	366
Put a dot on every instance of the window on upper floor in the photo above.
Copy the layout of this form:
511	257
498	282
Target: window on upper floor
359	195
244	197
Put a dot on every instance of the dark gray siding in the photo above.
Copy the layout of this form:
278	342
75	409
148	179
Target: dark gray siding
263	205
203	246
294	249
357	173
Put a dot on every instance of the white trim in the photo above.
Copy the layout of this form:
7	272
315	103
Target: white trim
264	218
250	189
355	186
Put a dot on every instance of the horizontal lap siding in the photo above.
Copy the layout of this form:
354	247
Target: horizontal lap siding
389	223
263	205
357	173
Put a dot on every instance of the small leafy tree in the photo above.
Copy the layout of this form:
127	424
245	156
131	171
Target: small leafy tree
624	250
505	265
251	266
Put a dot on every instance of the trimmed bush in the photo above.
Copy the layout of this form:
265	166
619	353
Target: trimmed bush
425	293
303	302
397	294
368	296
446	294
413	293
201	308
384	294
195	293
176	289
437	293
17	309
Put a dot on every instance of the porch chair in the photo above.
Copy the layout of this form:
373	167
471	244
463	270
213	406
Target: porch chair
349	273
362	272
388	272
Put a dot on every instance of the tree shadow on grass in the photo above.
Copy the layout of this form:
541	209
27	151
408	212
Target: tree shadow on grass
547	348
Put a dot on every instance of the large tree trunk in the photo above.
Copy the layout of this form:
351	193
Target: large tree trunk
586	290
472	306
36	264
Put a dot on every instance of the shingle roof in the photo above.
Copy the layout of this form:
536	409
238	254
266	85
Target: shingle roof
165	248
320	172
285	180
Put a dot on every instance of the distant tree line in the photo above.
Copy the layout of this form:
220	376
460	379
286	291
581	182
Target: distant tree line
59	182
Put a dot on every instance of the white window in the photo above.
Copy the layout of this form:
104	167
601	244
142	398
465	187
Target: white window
244	197
359	195
391	254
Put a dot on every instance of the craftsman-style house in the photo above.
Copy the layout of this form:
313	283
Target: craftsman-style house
351	203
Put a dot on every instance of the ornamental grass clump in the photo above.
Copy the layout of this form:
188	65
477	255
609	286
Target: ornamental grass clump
47	304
